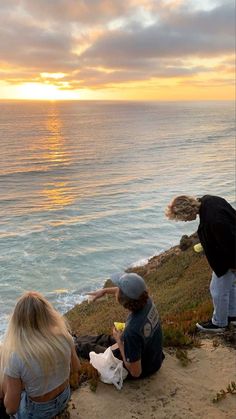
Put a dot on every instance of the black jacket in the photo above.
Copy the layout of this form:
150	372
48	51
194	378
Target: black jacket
217	233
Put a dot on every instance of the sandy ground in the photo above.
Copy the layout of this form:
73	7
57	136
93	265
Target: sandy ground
173	392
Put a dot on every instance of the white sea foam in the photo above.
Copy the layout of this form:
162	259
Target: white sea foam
144	261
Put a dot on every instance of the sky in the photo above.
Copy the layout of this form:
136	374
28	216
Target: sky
117	49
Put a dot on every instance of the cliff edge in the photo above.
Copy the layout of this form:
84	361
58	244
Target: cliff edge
196	368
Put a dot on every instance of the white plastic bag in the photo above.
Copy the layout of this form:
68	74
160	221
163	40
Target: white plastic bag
110	368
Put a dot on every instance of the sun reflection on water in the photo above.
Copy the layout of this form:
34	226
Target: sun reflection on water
57	191
55	142
57	194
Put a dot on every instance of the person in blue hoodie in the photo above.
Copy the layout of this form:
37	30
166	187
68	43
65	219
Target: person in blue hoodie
217	234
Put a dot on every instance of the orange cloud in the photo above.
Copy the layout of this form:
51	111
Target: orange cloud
66	47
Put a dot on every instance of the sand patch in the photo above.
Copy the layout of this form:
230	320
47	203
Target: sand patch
174	392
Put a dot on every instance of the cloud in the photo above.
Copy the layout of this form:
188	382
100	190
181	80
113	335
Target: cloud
201	34
106	42
77	11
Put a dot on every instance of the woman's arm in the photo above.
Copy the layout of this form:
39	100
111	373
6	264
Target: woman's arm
12	388
74	369
75	362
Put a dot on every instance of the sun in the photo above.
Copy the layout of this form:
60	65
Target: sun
43	91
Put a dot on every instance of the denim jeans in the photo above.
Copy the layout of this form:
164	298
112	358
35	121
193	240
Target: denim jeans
47	410
223	292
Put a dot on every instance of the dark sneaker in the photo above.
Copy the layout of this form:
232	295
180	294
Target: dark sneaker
209	327
232	320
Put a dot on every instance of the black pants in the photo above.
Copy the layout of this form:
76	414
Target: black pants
96	343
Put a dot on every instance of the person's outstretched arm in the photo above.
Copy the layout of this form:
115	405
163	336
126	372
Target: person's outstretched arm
103	291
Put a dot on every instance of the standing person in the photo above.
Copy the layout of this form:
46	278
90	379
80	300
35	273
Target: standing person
140	344
217	234
36	357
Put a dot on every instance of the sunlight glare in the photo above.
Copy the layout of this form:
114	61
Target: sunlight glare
54	76
40	91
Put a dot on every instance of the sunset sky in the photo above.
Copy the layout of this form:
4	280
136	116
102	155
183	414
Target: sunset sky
117	49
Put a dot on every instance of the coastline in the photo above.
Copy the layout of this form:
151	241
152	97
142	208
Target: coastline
176	391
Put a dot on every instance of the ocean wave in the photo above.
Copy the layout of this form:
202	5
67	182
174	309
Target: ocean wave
90	198
10	172
18	173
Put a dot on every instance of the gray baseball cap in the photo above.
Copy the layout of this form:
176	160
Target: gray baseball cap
131	284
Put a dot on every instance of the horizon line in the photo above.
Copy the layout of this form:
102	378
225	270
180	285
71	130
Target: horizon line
113	100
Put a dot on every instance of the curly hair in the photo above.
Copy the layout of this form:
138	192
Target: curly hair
183	208
130	304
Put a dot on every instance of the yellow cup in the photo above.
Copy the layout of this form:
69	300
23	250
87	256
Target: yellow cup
198	247
119	326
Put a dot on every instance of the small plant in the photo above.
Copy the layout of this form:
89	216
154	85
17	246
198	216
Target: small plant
231	389
175	337
182	356
215	342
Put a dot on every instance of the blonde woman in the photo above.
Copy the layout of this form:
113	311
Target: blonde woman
37	355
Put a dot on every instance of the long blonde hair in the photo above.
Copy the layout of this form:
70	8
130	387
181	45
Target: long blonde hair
183	208
35	331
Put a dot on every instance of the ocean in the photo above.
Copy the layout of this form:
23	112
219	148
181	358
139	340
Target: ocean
84	186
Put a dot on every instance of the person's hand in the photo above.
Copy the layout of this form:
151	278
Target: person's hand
96	294
116	334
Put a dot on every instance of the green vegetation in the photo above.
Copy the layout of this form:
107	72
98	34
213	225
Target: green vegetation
182	356
178	282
